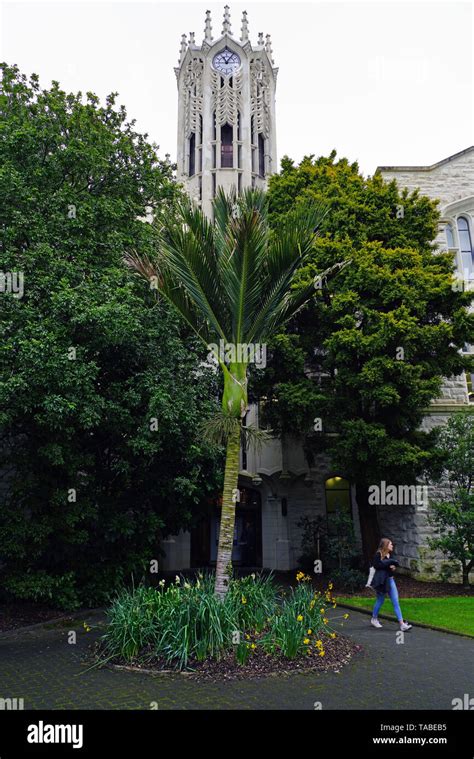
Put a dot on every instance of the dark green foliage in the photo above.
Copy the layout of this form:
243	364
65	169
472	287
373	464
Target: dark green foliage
453	515
397	293
86	362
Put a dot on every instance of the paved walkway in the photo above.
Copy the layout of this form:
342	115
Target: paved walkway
425	672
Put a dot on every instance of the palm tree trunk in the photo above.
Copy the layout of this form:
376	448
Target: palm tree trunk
226	533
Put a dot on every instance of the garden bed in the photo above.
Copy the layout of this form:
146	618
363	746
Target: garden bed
338	652
259	629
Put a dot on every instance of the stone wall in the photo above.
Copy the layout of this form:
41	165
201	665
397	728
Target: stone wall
449	180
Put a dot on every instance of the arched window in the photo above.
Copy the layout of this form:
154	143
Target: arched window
192	154
227	153
261	155
465	245
449	236
338	496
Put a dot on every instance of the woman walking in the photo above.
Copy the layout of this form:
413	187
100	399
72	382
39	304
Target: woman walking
383	583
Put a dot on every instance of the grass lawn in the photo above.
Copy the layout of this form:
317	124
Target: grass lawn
450	612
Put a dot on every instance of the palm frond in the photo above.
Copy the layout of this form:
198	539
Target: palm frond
217	428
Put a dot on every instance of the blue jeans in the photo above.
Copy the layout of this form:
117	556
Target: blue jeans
393	598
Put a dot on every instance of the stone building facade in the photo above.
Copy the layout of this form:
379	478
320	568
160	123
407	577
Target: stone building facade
227	137
451	182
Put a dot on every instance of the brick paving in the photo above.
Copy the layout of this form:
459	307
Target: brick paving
425	672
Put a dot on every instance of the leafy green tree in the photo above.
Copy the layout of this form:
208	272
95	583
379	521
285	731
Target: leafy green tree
100	453
231	281
358	366
453	516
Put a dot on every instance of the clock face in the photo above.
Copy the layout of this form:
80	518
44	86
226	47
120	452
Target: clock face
226	62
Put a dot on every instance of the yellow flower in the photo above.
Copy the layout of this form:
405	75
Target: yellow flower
319	643
299	576
309	632
325	620
332	635
306	641
312	604
334	606
253	645
321	653
299	618
244	600
322	611
330	586
346	616
247	637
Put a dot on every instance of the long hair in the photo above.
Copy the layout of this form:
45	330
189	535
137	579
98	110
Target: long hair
383	547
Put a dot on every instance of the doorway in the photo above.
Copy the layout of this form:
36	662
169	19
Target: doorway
247	549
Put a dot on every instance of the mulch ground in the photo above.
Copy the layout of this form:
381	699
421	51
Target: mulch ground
23	613
338	652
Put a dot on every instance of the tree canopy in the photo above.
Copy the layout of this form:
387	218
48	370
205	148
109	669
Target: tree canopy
100	446
368	354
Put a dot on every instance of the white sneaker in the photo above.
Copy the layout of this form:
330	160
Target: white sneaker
375	622
405	626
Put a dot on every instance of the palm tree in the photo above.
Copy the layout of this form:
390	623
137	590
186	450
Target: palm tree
231	281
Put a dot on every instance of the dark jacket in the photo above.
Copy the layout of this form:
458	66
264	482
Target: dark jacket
381	579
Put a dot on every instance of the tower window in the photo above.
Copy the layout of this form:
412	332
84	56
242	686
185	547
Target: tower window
192	154
261	155
470	385
465	245
449	236
227	155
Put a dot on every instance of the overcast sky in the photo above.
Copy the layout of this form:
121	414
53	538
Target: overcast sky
385	83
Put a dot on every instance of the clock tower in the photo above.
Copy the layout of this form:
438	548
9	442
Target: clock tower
226	111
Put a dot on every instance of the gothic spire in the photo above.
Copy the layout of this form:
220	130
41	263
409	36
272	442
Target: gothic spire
208	28
226	25
245	28
184	47
260	39
268	48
